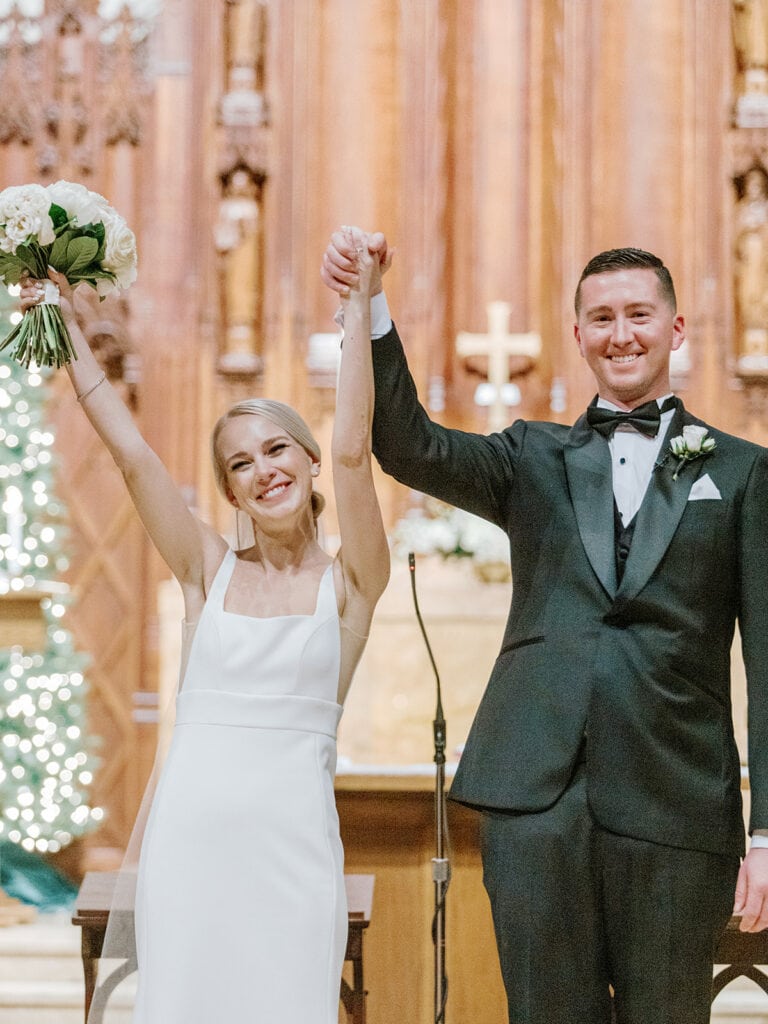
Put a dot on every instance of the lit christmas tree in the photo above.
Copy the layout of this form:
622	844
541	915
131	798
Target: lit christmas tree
45	764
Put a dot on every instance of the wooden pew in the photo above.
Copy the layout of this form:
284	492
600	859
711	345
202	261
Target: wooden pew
741	952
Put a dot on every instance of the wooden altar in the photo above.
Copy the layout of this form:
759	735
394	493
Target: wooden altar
387	825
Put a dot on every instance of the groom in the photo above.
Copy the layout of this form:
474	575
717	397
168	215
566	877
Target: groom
602	754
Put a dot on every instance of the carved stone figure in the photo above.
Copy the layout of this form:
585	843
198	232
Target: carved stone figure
237	240
750	33
751	253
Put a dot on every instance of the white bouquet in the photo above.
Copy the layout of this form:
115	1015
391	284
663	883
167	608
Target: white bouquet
73	230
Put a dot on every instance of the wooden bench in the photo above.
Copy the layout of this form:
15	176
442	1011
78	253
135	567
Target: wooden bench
92	911
741	952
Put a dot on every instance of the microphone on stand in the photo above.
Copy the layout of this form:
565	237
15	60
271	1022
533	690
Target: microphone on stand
441	866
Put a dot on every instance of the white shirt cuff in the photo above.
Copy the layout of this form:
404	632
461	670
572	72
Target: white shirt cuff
381	321
758	843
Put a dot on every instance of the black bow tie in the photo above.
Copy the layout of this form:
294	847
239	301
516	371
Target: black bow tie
645	418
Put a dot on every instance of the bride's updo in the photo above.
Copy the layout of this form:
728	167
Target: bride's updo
283	416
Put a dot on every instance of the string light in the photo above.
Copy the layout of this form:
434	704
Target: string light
43	803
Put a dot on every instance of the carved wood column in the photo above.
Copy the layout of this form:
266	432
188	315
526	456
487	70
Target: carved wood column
427	42
243	169
176	271
492	229
748	213
554	158
703	280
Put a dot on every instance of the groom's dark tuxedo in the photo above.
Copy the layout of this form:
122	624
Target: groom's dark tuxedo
632	675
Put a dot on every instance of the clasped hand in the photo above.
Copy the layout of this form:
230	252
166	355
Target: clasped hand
340	270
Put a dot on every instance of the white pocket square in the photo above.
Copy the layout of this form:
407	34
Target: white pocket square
703	488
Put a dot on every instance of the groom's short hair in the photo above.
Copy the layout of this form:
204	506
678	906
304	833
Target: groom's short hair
628	259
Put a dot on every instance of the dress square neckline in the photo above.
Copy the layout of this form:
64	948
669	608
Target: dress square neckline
272	618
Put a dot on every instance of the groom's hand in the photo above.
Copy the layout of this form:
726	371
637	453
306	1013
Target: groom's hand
751	902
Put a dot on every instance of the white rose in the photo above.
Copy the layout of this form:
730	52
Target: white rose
24	214
82	205
693	436
20	228
105	287
120	249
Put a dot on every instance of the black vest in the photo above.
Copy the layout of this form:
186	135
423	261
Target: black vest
623	540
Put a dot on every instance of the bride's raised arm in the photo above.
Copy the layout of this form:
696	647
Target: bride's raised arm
189	547
364	549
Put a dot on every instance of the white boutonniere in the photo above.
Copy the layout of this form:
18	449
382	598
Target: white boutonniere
690	445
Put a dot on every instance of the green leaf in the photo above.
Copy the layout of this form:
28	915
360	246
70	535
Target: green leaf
80	253
59	216
96	231
58	255
99	232
34	259
92	274
11	270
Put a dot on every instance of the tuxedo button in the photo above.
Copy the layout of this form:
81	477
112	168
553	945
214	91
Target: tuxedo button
617	618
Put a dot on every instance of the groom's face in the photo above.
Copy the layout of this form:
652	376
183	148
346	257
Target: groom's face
626	331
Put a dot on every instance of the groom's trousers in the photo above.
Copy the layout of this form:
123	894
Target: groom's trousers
577	909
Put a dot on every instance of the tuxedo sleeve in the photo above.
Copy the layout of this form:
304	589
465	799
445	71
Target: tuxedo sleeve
470	471
753	624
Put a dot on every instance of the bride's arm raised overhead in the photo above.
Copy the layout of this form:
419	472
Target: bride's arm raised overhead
191	549
364	554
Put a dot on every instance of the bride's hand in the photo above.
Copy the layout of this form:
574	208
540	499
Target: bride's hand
33	292
366	265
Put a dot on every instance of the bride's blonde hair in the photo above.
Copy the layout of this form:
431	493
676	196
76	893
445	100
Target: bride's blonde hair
283	416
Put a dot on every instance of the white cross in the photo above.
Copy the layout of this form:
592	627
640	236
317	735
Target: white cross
498	345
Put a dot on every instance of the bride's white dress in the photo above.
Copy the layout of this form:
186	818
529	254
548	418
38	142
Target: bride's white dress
240	907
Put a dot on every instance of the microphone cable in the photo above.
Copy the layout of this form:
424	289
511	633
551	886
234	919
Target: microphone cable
441	863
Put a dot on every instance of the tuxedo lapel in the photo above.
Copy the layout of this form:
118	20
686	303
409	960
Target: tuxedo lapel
660	512
588	469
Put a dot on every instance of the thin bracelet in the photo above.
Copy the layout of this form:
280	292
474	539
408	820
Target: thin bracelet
93	387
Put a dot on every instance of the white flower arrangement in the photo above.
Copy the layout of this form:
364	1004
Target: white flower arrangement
451	533
691	444
75	231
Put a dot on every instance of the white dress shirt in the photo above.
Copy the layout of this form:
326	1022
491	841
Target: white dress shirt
633	456
381	321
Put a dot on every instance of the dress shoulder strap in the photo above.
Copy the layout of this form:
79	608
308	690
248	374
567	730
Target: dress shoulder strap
327	604
221	579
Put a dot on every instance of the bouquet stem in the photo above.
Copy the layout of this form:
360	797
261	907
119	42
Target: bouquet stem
41	336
